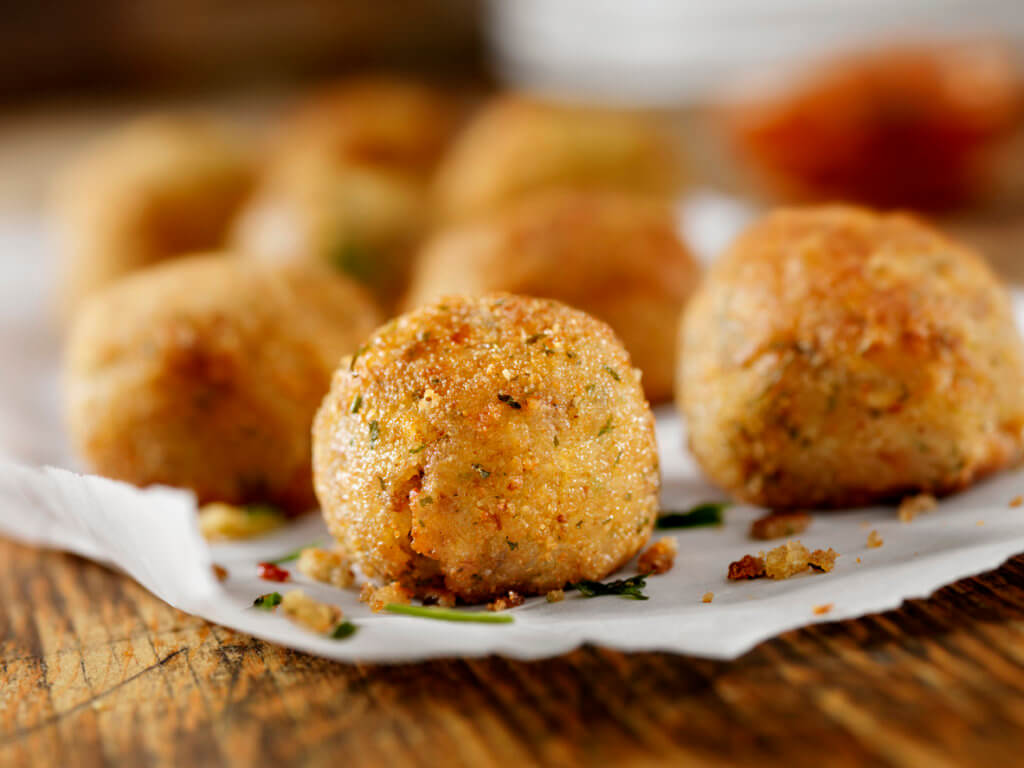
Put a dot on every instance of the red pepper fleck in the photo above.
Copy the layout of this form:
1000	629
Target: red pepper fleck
271	572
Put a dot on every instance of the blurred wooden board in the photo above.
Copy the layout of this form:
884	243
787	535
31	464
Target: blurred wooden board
95	671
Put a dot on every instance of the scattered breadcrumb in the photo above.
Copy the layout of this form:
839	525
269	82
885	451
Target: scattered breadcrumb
786	560
823	609
312	614
378	597
980	523
823	560
326	565
912	506
783	562
1016	501
511	600
227	521
555	596
779	525
874	540
858	560
747	567
220	572
659	557
708	597
442	598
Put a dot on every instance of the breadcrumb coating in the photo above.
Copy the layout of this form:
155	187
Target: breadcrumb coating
482	445
838	357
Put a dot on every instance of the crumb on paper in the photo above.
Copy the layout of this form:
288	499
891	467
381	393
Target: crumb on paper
820	610
511	600
912	506
1016	501
980	523
874	540
779	525
786	560
443	598
659	557
220	572
858	561
555	596
783	562
302	609
708	597
327	566
823	560
747	567
228	521
378	597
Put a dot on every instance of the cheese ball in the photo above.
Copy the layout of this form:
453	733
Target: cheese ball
379	122
363	222
919	127
158	187
613	255
516	146
481	445
204	373
838	357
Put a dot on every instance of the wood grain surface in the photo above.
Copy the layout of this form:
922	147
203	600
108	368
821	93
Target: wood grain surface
95	671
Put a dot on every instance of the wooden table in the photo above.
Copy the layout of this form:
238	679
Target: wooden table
95	671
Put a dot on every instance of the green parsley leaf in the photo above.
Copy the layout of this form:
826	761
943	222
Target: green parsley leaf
343	630
374	431
629	588
608	427
707	513
357	404
267	602
613	373
512	403
449	614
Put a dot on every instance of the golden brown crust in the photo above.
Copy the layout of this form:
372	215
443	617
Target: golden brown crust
612	255
516	146
486	445
362	222
837	357
375	122
158	187
205	372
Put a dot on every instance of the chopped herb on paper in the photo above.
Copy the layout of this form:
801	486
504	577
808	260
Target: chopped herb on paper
631	588
707	513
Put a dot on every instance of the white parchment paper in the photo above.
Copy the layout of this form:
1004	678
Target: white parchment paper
152	534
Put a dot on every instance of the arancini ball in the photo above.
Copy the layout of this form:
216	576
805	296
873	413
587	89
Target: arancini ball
517	145
481	445
838	357
205	372
362	222
613	255
919	127
159	187
381	121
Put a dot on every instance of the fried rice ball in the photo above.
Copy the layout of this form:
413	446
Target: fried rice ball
157	188
837	357
917	127
516	146
613	255
363	222
205	372
482	445
378	122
